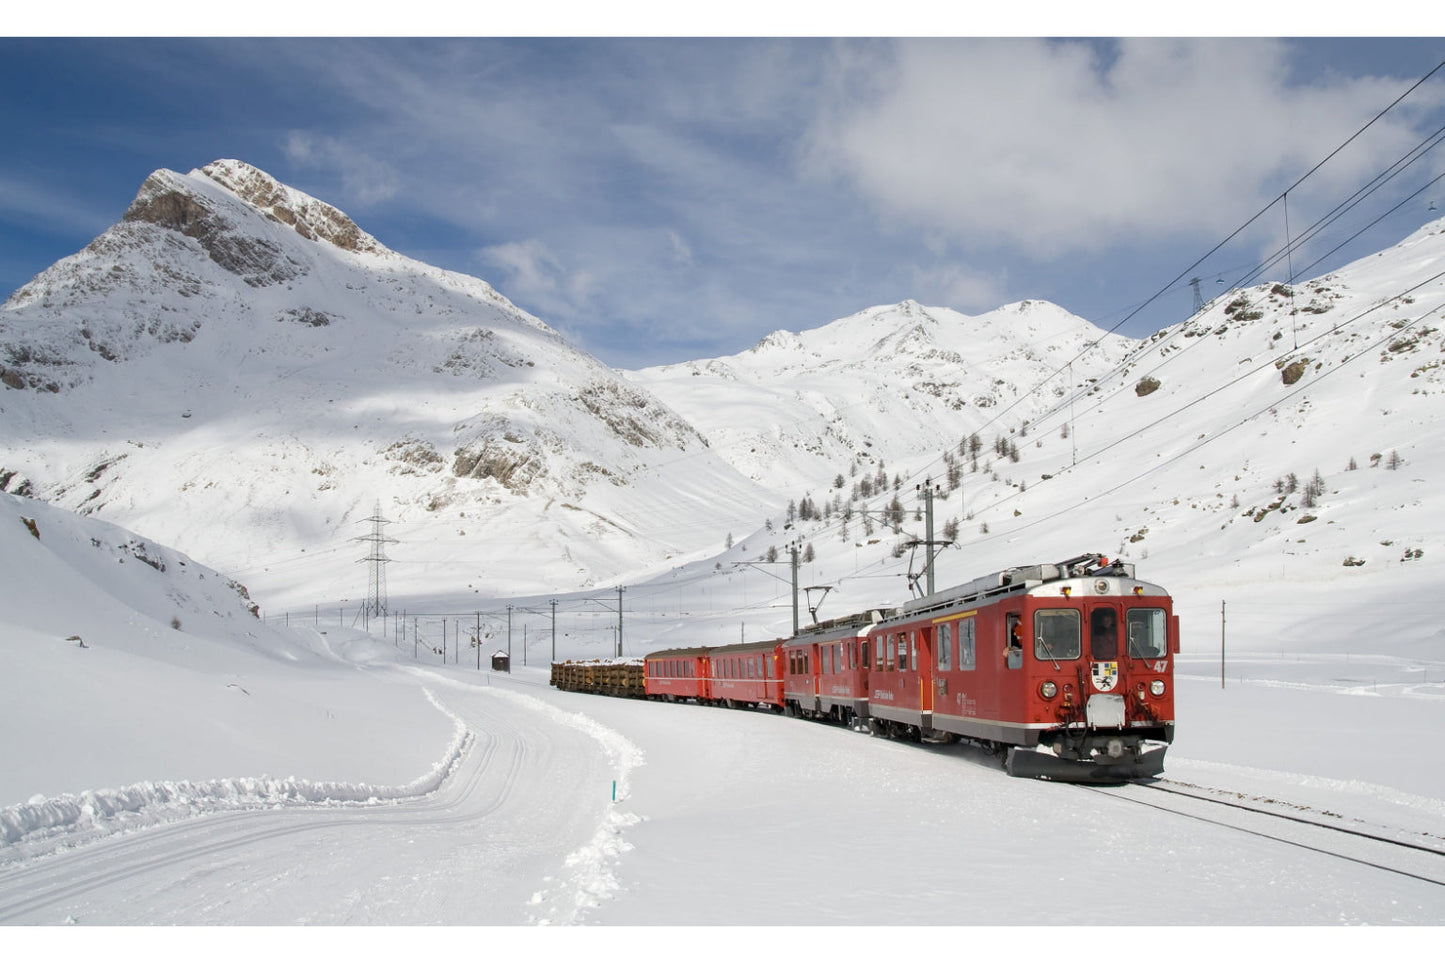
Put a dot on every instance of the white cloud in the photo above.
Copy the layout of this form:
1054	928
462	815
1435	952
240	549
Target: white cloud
26	200
533	271
959	287
1052	147
365	180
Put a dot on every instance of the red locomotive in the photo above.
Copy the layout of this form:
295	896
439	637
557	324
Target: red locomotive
1065	668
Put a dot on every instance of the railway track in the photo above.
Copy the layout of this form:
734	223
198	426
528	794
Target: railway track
1415	855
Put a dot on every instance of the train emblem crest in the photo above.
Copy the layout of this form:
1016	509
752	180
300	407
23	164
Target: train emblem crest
1106	676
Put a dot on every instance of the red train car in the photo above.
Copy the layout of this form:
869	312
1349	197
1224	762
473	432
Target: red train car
749	673
826	674
674	675
1065	668
1068	667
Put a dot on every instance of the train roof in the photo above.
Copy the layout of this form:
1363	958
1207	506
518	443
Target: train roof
680	653
844	627
1021	579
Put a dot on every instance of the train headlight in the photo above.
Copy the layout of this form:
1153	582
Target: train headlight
1048	690
1156	688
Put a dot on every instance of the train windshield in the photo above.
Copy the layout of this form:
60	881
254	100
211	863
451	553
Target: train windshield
1057	634
1103	634
1145	628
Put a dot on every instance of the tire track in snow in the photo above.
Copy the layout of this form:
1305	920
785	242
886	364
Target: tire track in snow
587	876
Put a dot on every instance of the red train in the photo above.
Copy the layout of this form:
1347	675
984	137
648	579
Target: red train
1065	668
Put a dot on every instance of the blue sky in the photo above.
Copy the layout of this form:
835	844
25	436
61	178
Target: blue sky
660	200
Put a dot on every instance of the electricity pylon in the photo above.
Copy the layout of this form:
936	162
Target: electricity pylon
376	561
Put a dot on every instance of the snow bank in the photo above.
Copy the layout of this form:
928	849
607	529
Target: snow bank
44	825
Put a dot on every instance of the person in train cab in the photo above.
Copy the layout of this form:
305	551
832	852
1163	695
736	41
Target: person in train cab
1013	650
1104	635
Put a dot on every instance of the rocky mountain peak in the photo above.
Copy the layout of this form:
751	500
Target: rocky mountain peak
313	219
184	204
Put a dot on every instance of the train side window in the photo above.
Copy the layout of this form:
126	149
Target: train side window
943	640
902	652
1013	641
1058	634
1144	629
967	657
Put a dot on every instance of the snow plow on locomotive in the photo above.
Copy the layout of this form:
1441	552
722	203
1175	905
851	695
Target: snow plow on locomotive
1064	669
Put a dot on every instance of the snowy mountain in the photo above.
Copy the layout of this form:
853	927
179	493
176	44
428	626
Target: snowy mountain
239	370
1282	442
883	385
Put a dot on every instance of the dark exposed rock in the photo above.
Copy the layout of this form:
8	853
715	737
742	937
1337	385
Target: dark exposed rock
163	202
312	219
514	469
1294	371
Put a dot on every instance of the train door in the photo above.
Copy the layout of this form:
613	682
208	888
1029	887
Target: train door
1104	648
923	662
1001	644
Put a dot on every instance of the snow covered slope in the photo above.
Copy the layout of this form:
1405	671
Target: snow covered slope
239	370
125	660
884	385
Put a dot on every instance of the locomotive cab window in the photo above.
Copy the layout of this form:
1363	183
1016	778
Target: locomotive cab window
1104	634
966	657
1144	628
1057	634
943	640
